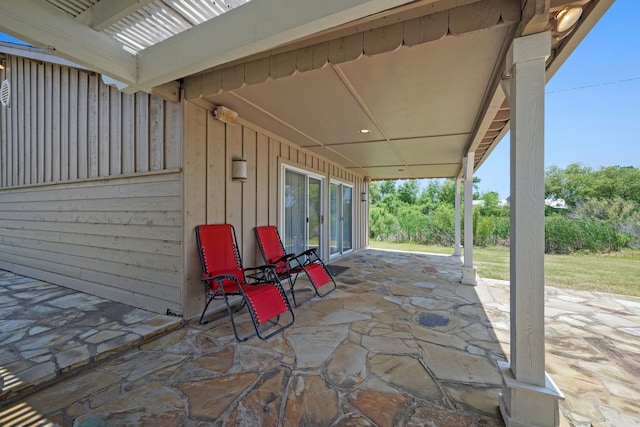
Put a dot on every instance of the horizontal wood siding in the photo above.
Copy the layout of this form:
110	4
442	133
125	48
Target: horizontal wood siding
91	186
118	238
65	124
210	195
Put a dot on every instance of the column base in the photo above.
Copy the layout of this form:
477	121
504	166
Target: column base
527	405
469	276
457	251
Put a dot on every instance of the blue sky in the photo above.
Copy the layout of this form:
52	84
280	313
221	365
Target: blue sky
592	103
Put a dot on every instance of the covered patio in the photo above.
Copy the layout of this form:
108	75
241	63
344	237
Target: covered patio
339	93
401	342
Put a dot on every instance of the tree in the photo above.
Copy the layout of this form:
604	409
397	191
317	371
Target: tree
408	192
447	192
577	183
375	195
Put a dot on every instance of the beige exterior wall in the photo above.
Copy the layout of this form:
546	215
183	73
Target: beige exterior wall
98	193
211	196
91	186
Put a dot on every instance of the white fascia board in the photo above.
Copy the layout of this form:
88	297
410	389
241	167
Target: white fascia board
36	54
45	27
252	28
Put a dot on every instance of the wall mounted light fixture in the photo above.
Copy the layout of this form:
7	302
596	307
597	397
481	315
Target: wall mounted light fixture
567	18
225	115
239	169
5	93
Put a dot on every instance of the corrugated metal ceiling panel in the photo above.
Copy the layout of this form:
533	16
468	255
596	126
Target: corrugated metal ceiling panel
156	21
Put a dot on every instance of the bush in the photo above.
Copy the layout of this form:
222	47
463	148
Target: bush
490	230
565	235
440	226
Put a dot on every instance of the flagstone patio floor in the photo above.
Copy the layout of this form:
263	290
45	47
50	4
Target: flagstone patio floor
401	342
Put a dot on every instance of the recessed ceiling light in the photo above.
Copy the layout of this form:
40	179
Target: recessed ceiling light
365	131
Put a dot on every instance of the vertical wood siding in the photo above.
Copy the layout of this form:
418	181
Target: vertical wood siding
210	196
65	125
90	186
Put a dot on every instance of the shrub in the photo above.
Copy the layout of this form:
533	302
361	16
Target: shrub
440	226
565	235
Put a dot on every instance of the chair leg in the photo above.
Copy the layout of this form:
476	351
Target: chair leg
292	283
204	311
233	322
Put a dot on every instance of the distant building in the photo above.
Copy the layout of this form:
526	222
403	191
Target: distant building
555	203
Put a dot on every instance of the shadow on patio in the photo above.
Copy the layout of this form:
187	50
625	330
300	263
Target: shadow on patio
401	342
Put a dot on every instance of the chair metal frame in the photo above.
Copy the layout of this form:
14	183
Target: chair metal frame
221	283
289	266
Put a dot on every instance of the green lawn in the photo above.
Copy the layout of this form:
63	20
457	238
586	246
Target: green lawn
616	272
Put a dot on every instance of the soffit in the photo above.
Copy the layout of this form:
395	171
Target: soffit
423	76
419	97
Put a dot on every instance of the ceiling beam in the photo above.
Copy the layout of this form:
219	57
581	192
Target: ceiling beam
107	12
535	16
254	27
43	26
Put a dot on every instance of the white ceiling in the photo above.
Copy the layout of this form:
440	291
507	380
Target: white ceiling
420	104
423	76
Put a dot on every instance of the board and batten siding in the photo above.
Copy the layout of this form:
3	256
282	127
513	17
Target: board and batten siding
65	124
212	197
91	186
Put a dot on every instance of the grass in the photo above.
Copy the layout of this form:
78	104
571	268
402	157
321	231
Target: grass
615	272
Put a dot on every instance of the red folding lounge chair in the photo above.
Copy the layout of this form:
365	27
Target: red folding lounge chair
224	276
290	265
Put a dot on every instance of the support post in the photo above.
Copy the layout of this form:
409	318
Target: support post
469	276
457	250
529	397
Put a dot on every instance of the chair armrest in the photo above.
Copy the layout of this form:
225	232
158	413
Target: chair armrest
285	257
309	253
263	273
219	276
261	267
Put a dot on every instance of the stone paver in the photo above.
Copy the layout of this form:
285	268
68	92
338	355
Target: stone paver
401	342
48	331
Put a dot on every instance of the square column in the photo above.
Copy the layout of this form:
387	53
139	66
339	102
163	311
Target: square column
457	250
469	276
529	397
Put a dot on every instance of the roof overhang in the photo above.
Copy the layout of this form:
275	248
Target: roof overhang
423	77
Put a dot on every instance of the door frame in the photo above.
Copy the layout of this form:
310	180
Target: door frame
342	184
284	167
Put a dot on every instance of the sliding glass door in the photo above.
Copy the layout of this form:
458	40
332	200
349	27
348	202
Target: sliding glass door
340	218
302	199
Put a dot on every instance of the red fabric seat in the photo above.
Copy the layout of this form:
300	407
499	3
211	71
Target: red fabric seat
289	266
224	276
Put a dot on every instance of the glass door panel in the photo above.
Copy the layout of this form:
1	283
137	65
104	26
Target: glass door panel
315	214
341	218
334	219
347	219
303	211
295	212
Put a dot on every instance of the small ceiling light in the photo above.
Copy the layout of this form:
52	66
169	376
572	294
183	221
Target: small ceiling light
365	131
567	18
